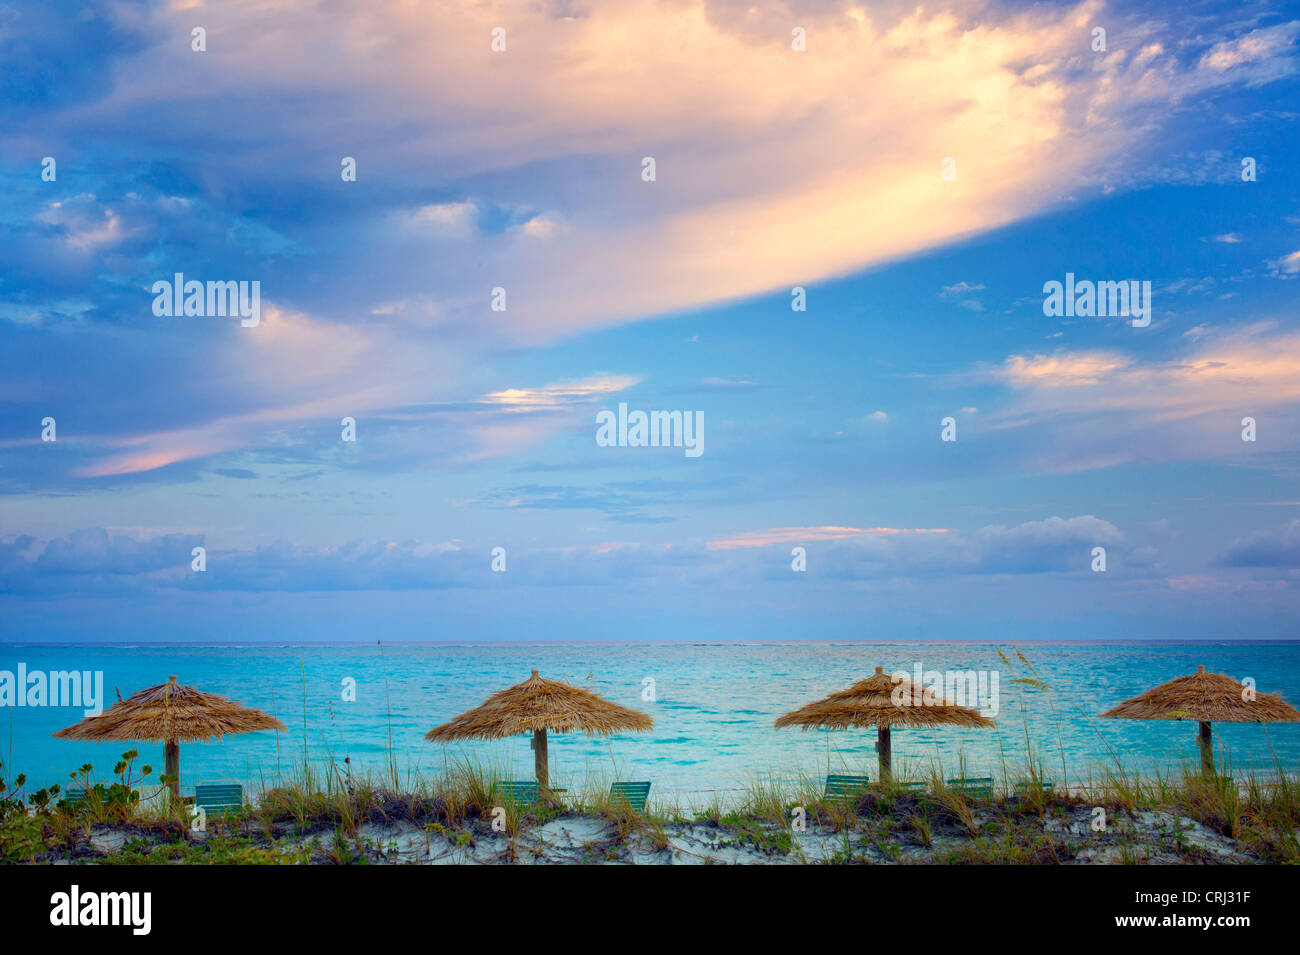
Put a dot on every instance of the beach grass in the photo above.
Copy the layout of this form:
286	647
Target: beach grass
334	816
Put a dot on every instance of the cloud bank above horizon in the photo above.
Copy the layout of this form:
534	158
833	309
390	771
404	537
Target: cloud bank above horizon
919	171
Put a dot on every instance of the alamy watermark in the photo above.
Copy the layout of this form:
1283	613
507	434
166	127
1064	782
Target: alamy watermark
654	429
76	907
975	689
1087	299
208	299
83	688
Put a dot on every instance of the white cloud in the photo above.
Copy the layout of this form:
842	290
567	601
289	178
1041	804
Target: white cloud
713	382
561	394
1097	408
85	224
539	227
1254	47
453	219
1287	264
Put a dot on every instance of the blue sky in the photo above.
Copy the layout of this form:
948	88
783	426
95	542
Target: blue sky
522	169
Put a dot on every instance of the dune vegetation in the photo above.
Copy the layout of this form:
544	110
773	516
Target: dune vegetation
333	818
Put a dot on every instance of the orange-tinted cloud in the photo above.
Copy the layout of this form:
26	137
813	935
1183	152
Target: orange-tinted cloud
796	535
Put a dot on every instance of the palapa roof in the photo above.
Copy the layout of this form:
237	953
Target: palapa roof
538	704
870	702
171	711
1207	697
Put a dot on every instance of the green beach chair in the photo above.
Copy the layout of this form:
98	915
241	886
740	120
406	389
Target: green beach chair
978	787
74	796
634	794
845	787
1027	788
918	788
521	793
219	798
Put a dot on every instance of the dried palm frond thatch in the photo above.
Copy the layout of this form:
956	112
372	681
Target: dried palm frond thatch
883	701
535	706
1211	697
171	712
1207	698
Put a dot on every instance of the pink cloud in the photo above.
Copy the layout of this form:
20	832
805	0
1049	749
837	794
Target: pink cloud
771	172
795	535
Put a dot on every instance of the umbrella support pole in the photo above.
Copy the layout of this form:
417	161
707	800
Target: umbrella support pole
172	766
539	759
1207	748
886	756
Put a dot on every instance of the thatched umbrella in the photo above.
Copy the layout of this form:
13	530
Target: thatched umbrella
535	706
871	702
171	712
1207	698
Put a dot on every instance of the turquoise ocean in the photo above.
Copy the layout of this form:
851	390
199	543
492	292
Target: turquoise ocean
713	707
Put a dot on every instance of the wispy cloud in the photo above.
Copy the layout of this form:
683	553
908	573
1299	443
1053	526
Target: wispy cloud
1287	264
561	394
1256	46
788	535
1278	547
1256	367
1123	408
